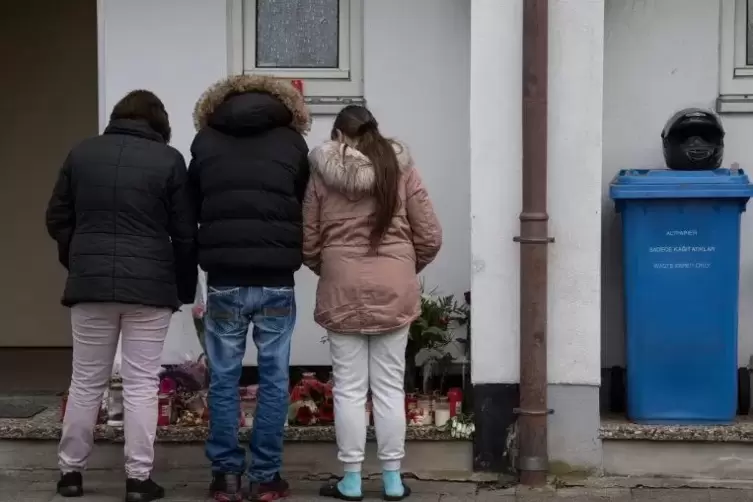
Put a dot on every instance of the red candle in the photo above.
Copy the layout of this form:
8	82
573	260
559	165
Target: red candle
411	402
455	396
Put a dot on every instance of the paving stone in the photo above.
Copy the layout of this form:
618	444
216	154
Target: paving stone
13	495
191	486
731	495
487	496
467	490
573	495
676	495
593	494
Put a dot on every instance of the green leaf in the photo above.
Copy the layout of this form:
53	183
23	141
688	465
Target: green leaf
435	331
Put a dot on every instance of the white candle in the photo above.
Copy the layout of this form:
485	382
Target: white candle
441	417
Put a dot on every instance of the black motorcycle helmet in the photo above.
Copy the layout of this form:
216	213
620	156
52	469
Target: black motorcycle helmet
693	140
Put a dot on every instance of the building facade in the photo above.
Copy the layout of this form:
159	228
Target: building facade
445	77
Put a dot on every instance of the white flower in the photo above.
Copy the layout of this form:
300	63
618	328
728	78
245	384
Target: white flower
310	404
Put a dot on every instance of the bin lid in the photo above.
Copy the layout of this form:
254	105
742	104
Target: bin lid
667	184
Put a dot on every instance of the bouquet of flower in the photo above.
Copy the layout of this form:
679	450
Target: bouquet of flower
197	312
432	330
190	376
311	402
462	427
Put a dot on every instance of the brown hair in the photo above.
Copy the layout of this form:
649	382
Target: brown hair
358	124
144	105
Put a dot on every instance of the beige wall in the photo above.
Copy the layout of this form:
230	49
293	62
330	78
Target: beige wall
48	51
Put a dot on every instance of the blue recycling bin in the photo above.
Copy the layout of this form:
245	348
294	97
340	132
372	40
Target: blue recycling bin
681	261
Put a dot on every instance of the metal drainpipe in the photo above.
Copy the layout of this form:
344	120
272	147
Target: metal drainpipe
533	462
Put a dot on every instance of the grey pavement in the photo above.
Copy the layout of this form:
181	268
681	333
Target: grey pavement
190	486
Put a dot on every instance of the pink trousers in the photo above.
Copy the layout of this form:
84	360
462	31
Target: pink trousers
96	328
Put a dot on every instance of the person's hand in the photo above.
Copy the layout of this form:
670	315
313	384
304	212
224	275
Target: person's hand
198	310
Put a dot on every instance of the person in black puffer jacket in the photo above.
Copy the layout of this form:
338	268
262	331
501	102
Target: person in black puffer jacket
249	172
122	216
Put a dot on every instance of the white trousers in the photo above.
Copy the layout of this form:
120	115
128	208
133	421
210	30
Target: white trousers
359	362
96	329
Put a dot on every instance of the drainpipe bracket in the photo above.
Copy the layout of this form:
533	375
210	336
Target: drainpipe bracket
532	413
533	464
533	240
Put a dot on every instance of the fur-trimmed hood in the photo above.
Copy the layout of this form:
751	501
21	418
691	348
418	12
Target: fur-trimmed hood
281	90
348	170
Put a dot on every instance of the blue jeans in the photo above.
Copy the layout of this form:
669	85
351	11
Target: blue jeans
230	311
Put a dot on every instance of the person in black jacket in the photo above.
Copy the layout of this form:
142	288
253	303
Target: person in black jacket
122	216
249	171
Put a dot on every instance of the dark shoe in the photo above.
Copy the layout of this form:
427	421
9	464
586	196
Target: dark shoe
143	491
405	495
276	489
71	484
331	490
226	487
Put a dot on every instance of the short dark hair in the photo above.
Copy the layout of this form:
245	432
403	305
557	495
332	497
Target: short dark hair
144	105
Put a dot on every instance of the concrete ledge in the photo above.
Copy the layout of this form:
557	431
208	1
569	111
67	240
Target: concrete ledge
703	456
428	460
618	428
174	434
672	459
46	426
310	452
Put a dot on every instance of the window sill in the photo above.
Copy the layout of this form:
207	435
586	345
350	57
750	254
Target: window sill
733	104
332	105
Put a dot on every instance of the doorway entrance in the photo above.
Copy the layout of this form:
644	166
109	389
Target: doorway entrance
49	102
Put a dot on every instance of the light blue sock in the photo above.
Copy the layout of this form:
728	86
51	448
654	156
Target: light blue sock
393	484
350	484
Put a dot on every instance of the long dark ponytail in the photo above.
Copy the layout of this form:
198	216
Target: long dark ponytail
358	124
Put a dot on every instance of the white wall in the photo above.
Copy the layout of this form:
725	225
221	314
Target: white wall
416	80
417	84
175	48
576	57
660	56
575	114
496	161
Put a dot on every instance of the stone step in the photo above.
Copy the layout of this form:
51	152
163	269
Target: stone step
47	425
432	453
425	460
699	452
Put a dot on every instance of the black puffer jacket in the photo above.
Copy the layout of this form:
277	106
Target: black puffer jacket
249	172
123	220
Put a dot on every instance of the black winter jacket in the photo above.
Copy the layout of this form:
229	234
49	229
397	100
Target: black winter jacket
249	171
123	220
